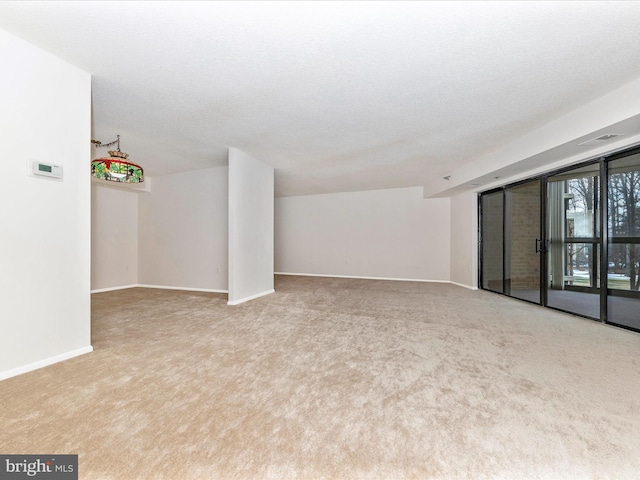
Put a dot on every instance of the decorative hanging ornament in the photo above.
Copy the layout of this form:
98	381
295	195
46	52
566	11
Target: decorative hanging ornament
116	168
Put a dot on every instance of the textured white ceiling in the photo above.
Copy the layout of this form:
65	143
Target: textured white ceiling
337	96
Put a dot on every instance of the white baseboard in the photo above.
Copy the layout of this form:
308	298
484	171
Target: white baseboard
44	362
469	287
364	278
186	289
377	278
165	287
111	289
252	297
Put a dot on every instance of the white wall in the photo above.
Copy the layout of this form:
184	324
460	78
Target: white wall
182	235
251	236
114	237
464	239
45	114
382	233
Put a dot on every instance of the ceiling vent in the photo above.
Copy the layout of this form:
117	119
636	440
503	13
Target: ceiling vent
598	140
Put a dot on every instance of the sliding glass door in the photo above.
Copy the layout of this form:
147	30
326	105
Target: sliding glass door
523	241
623	275
573	241
492	253
511	241
584	258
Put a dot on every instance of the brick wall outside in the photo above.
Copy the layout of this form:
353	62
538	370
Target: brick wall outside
525	228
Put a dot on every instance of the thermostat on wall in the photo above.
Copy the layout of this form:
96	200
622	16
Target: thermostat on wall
47	169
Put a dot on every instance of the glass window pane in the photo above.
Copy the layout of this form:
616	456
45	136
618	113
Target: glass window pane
624	267
624	197
492	241
581	213
623	270
573	199
580	192
580	265
522	237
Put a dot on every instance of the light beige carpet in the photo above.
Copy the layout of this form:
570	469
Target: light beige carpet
335	379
